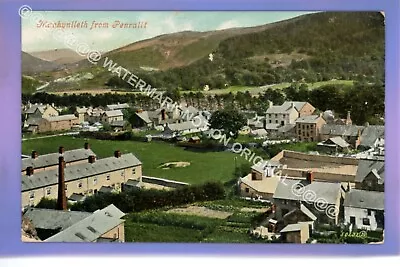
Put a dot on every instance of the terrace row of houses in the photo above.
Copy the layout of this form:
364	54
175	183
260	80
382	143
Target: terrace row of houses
316	189
81	171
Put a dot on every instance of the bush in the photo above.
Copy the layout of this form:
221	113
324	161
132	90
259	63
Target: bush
139	200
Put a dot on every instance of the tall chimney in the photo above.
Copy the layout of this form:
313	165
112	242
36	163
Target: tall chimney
163	114
62	198
310	177
87	145
34	154
61	150
92	159
29	171
117	154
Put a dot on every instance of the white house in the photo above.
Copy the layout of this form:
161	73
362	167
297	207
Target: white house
364	209
282	115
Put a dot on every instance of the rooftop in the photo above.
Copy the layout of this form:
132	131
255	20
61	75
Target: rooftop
78	171
67	117
364	199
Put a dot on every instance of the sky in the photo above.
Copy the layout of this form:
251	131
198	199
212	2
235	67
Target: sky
105	37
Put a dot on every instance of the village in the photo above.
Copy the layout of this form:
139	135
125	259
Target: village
98	168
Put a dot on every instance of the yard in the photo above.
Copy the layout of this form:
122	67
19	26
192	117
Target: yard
170	226
204	166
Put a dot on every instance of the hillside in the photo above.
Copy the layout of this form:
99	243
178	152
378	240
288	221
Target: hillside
59	56
310	48
31	64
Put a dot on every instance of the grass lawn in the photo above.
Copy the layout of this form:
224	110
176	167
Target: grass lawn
204	166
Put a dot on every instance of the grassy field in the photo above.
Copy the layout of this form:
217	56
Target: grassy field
160	226
204	166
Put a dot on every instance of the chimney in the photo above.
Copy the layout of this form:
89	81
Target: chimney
348	119
29	171
291	104
163	114
62	198
34	154
117	154
265	123
87	146
92	159
310	177
61	150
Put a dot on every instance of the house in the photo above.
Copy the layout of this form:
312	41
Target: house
118	126
295	233
52	124
371	135
188	113
300	215
334	145
142	119
40	111
93	115
103	225
117	106
308	127
350	133
80	113
49	222
132	185
256	123
259	133
304	108
198	124
292	192
364	209
84	178
111	116
282	115
261	182
370	174
50	161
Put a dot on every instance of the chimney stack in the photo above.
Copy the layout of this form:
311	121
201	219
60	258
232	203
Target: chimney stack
62	198
34	154
61	150
87	146
310	177
117	154
29	171
92	159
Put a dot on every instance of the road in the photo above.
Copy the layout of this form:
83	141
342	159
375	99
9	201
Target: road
49	136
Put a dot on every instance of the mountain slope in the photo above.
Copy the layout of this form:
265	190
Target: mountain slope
31	64
59	56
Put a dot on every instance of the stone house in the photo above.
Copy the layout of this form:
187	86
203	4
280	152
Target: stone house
371	174
308	128
111	116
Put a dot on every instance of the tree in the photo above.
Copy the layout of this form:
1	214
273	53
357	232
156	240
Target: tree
230	121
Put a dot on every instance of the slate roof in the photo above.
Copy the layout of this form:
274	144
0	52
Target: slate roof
340	130
92	227
33	108
134	183
113	113
308	119
292	227
76	197
371	134
52	159
78	171
187	125
117	106
304	210
364	199
33	121
366	166
298	105
61	118
335	141
286	128
262	165
279	110
54	219
294	189
118	123
272	126
105	189
144	115
259	132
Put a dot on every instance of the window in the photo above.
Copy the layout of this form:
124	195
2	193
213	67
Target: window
284	115
247	190
133	171
276	121
48	191
66	187
80	185
365	221
108	178
122	174
282	123
115	236
352	220
32	195
270	121
276	115
95	181
369	212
